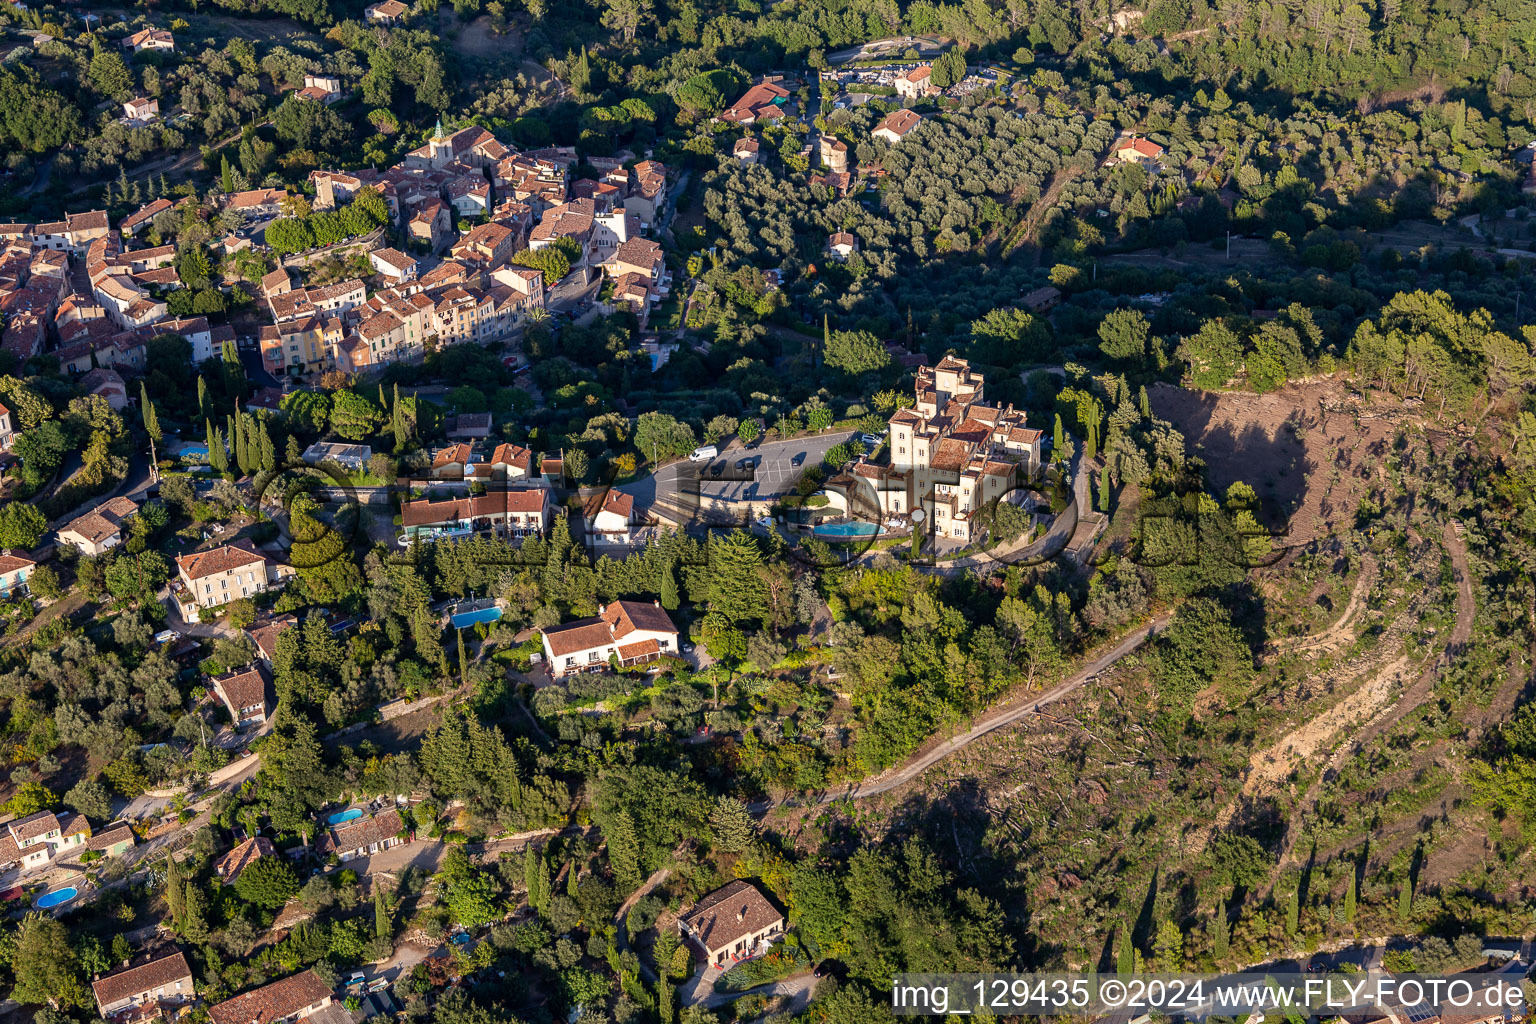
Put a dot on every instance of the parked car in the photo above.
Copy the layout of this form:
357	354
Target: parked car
798	460
872	441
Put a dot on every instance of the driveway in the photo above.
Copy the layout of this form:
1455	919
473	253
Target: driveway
772	472
700	990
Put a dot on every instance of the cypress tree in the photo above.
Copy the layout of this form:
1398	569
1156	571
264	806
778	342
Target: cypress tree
202	397
380	914
1104	488
1350	896
175	892
1057	438
227	175
536	879
292	456
242	446
1125	953
1405	902
463	659
624	852
1293	909
1221	932
1145	403
572	884
151	419
267	453
669	597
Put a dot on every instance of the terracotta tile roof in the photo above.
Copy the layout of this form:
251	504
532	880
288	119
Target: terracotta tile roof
899	122
33	825
919	74
581	635
454	454
103	521
111	837
272	1002
245	688
755	102
216	560
1142	147
513	455
732	912
229	866
627	616
362	832
639	650
616	502
159	972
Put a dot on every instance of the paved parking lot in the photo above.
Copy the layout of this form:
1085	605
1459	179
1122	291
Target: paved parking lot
771	473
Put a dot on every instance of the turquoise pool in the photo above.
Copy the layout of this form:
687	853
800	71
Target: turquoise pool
464	619
57	897
341	817
847	530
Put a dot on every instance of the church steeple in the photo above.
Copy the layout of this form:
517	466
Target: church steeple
437	133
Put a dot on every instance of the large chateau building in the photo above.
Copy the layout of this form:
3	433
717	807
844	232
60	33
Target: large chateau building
950	453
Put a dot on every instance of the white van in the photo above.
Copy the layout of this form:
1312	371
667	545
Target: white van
704	454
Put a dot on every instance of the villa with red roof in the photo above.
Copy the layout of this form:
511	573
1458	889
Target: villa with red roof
632	632
762	102
213	578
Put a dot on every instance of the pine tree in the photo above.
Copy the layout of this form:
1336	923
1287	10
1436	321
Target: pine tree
135	193
1350	896
1221	932
151	420
227	176
624	852
164	186
122	184
380	912
108	197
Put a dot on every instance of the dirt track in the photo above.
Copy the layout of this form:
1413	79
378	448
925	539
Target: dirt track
890	780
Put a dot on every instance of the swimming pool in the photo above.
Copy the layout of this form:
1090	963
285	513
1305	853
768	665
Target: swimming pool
847	530
341	817
56	898
463	619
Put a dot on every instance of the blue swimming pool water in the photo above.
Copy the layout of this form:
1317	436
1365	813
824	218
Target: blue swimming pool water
350	814
57	897
847	530
464	619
